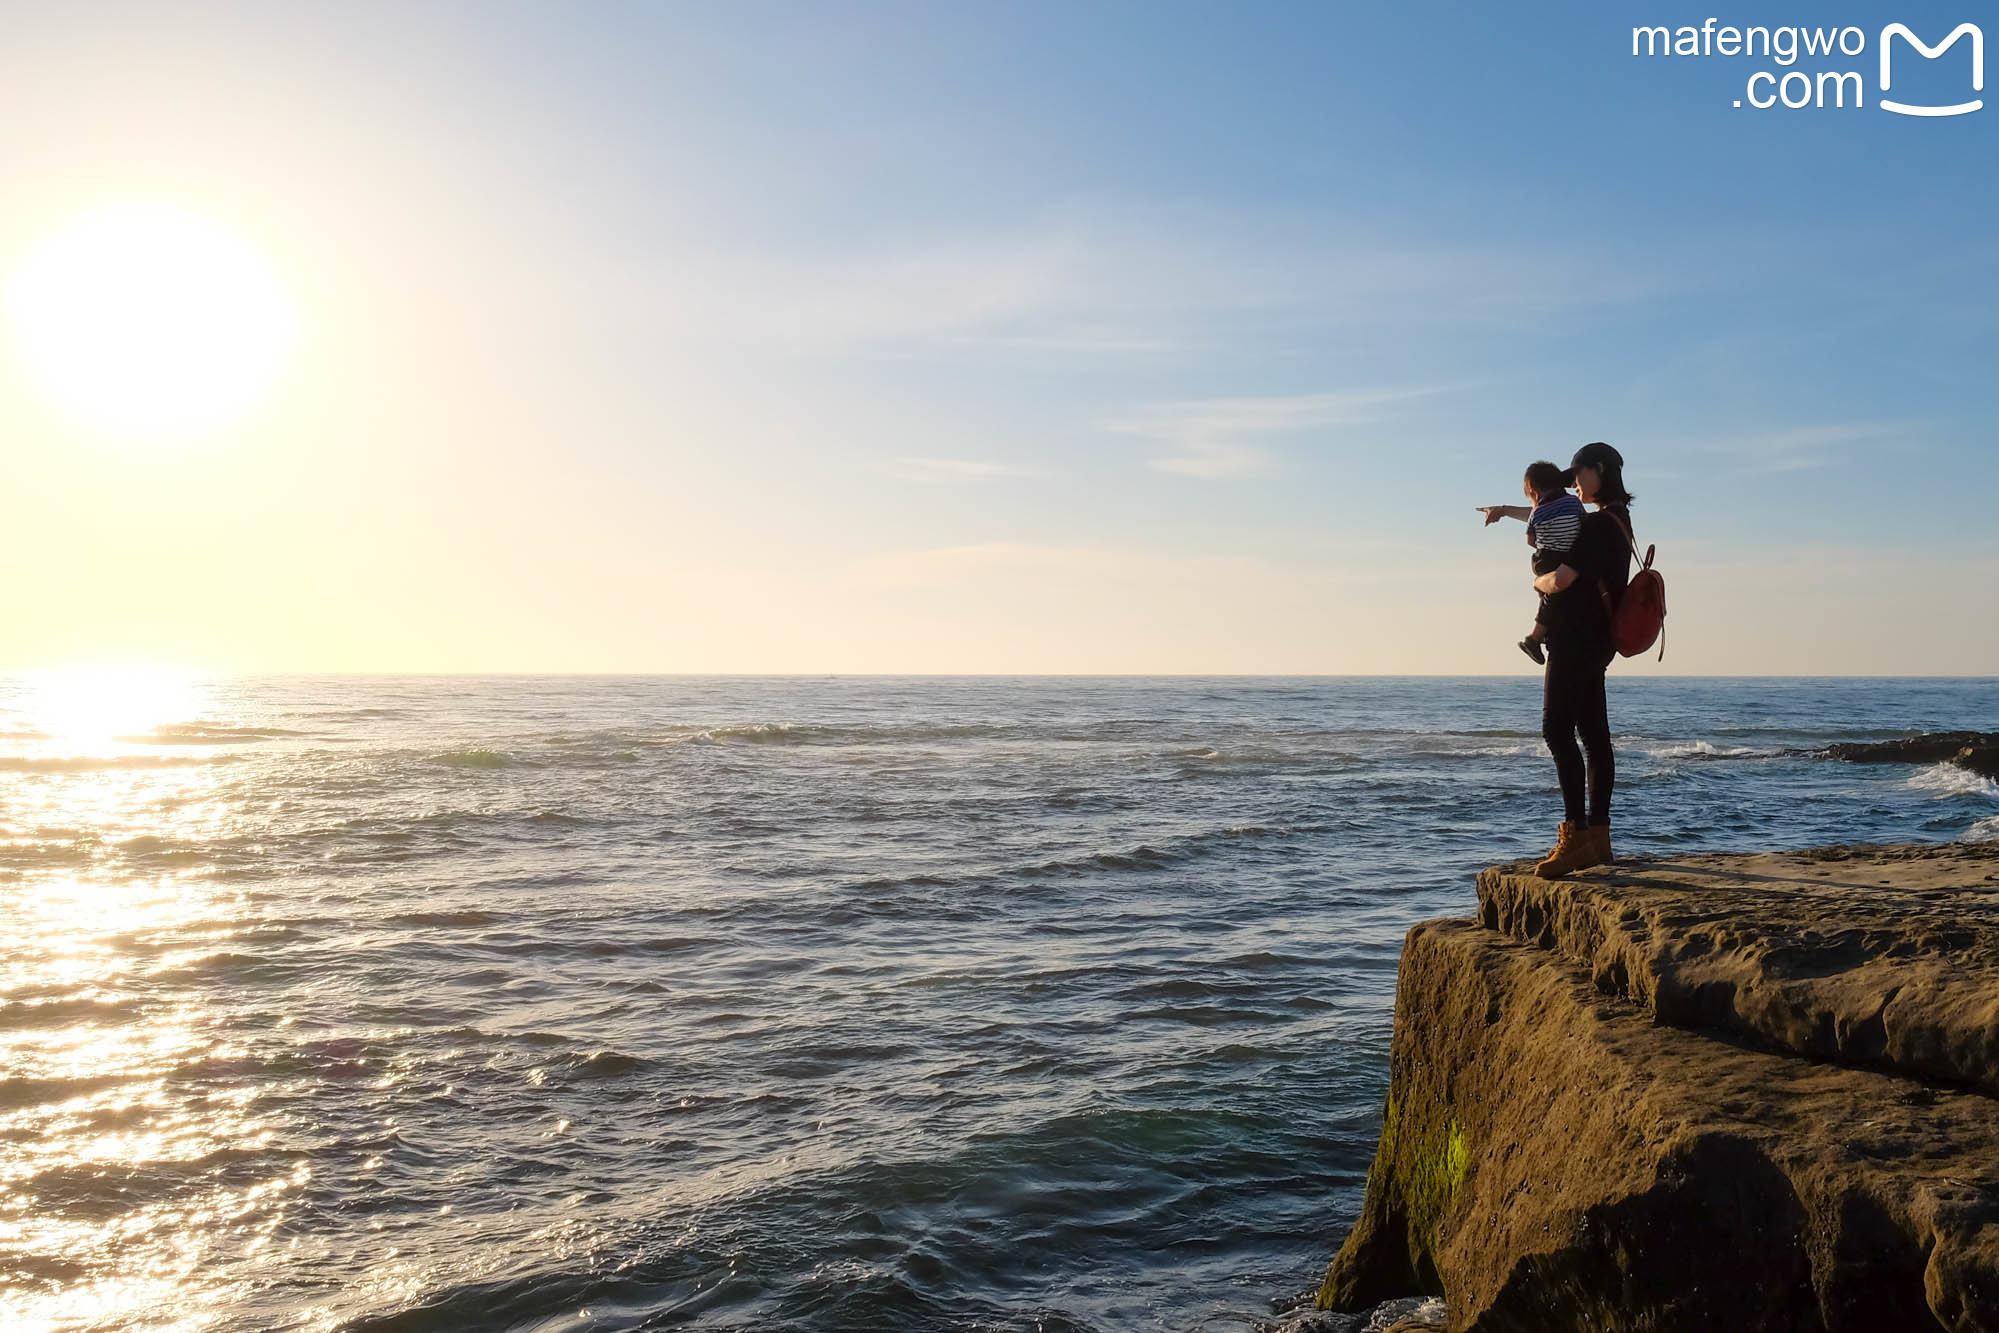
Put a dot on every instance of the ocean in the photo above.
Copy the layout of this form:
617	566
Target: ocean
778	1003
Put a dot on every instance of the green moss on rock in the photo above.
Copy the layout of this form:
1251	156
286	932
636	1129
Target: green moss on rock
1417	1175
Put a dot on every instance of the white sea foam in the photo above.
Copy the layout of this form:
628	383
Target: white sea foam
1530	748
1950	780
1450	748
1985	830
1426	1308
1704	750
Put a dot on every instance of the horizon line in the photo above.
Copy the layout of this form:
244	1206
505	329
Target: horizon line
946	675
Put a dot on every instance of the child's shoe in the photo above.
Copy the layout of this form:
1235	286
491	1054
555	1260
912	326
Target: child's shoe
1532	647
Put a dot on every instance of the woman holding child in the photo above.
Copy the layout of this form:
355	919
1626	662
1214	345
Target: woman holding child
1579	586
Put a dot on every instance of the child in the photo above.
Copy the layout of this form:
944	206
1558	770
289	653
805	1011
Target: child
1552	526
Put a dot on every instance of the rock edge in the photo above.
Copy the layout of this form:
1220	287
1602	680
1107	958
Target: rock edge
1618	1102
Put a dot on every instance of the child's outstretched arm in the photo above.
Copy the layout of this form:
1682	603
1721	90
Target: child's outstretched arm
1493	513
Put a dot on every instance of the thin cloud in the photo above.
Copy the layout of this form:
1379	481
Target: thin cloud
1123	283
1215	459
1035	565
950	469
1798	448
1215	438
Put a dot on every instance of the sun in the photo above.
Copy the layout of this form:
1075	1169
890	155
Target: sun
150	323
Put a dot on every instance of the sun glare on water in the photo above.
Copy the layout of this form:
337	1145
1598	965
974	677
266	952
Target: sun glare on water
98	904
95	710
150	323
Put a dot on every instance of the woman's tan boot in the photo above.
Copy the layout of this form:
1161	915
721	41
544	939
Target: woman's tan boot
1599	842
1568	844
1562	836
1581	847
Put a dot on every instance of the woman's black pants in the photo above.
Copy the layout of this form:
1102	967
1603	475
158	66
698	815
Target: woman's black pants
1572	706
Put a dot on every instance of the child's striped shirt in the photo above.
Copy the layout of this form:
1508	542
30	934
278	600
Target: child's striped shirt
1554	524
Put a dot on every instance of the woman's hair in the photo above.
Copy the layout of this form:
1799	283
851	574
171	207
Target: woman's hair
1609	467
1610	488
1545	478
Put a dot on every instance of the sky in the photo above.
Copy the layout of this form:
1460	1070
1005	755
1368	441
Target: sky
1007	337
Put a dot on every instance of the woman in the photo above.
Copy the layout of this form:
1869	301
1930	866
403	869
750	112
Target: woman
1581	592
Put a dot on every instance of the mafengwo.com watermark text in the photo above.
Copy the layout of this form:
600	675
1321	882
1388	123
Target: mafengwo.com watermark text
1797	89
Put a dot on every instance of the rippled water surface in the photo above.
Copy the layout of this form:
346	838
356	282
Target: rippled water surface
598	1003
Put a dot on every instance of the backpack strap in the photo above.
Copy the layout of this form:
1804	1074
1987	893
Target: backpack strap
1630	542
1631	549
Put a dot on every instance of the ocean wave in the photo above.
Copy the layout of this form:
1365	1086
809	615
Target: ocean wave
207	733
1199	1015
1949	780
1299	1315
1985	830
605	1064
1437	749
446	919
1705	750
1208	754
1159	855
814	733
896	895
1145	856
349	714
17	1093
1263	958
85	763
226	967
45	851
474	759
64	1013
1187	988
893	733
1804	732
769	733
1208	761
1421	1309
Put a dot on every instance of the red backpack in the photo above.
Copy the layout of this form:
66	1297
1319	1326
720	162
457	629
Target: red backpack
1638	618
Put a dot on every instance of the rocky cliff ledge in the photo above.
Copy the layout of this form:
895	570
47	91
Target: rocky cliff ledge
1701	1094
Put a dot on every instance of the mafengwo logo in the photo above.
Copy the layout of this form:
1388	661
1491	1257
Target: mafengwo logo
1796	89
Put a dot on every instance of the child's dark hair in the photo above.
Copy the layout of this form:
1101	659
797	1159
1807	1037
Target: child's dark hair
1545	478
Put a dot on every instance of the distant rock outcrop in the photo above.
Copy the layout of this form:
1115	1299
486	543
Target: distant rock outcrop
1980	759
1934	747
1701	1094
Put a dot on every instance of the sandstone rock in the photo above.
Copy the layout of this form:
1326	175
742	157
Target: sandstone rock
1885	957
1933	748
1557	1155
